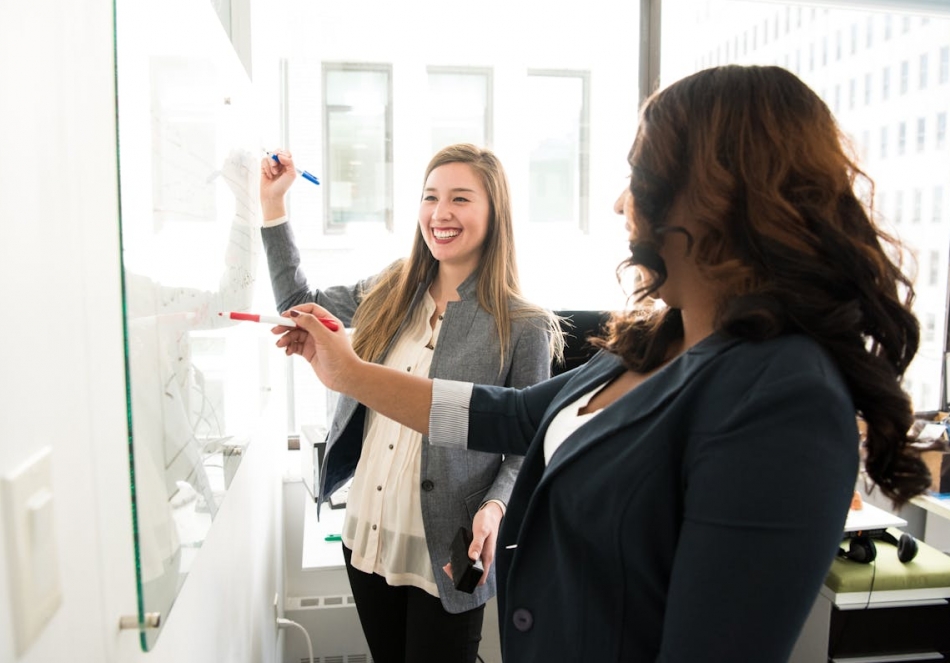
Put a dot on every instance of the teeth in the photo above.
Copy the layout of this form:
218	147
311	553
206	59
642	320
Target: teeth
445	234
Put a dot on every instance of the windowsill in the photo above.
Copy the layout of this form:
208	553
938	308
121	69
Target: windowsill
319	554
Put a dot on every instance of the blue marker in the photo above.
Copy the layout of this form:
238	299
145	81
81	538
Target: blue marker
303	173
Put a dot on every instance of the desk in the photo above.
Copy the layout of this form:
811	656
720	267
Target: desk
885	611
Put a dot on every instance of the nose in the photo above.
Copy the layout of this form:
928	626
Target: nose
440	211
621	201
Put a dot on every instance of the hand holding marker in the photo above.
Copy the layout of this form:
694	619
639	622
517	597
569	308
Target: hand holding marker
274	319
303	173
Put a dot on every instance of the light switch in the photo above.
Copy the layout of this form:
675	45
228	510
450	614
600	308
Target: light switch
30	534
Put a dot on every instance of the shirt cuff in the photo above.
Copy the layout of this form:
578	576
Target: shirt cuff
448	418
280	220
498	502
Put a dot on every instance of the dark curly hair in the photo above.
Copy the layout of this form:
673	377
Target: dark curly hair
758	160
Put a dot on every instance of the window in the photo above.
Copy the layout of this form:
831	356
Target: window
358	152
837	104
890	121
558	138
460	106
934	274
905	24
929	330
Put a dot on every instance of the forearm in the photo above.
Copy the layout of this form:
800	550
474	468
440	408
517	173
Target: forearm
404	398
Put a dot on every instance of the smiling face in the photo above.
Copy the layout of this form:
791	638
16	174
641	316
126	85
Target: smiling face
454	215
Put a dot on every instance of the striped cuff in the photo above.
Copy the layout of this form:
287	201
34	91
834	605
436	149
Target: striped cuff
270	223
448	418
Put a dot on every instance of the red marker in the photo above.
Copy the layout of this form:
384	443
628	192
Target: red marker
274	319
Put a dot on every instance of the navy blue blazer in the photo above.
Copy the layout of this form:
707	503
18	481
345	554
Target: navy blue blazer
694	519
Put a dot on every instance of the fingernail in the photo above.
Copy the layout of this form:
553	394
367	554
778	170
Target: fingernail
294	314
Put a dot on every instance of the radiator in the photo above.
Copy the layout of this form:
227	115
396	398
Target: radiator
334	629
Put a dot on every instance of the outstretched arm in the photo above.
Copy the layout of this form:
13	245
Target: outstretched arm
404	398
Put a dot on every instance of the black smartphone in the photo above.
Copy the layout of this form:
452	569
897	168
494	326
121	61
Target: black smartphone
465	572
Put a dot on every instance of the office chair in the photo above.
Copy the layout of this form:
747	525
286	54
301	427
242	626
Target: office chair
577	327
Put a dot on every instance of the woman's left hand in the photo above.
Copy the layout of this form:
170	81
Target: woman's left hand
484	535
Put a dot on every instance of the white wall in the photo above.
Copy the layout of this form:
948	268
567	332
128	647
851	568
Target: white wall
61	360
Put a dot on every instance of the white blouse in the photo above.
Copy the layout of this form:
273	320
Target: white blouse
383	525
567	421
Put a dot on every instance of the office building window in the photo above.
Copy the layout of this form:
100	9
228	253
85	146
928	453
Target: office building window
934	274
930	327
358	144
460	106
905	70
905	24
558	145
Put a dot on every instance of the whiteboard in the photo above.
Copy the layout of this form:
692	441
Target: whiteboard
189	156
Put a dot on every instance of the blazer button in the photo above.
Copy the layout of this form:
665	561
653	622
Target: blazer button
522	619
427	485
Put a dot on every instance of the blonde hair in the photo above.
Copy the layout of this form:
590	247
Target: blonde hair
499	291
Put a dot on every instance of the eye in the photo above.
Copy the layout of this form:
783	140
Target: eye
430	198
460	199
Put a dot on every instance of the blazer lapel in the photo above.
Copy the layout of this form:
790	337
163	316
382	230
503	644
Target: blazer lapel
634	406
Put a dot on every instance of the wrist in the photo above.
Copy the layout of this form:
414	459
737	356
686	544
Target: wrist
272	209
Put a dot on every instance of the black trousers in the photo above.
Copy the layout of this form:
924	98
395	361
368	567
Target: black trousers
408	625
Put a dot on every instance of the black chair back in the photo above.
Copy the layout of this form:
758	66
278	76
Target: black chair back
577	327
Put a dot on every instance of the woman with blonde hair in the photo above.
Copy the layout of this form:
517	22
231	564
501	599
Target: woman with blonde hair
453	309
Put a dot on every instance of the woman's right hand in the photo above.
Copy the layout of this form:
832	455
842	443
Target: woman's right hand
276	178
328	352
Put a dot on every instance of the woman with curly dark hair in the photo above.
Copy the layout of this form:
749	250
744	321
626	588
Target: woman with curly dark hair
683	493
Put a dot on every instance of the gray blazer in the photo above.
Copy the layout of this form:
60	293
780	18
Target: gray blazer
455	482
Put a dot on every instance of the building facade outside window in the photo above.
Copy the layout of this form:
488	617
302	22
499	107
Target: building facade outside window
914	46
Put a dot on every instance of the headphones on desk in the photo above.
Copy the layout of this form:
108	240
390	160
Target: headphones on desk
861	548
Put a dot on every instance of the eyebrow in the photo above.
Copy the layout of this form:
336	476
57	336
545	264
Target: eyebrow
455	190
